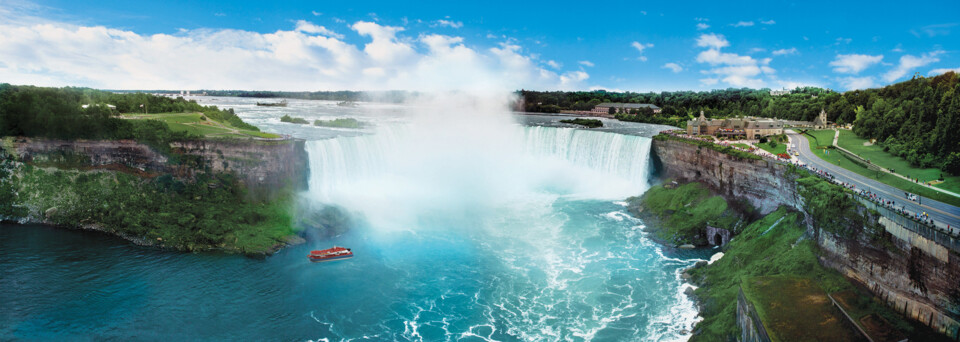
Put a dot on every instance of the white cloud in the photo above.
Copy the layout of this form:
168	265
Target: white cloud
586	63
711	40
304	57
554	64
910	62
731	68
640	47
853	83
934	30
448	23
944	70
308	27
795	84
702	26
757	49
673	67
573	77
742	24
854	63
315	13
768	22
783	52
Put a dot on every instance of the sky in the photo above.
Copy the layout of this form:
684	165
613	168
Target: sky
464	45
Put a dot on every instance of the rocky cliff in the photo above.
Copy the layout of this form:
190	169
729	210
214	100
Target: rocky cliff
911	269
262	165
761	182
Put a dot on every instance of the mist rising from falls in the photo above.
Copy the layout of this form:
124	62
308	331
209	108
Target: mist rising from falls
403	173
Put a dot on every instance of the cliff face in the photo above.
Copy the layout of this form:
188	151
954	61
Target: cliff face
913	270
763	183
262	166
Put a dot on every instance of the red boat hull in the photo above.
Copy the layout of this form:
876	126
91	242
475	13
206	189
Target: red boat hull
335	253
331	258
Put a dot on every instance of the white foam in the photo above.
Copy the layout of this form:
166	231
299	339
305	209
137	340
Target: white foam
715	257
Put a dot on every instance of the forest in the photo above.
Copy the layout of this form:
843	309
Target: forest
918	119
59	113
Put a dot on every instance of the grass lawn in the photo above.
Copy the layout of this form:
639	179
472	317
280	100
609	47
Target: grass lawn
779	148
771	246
796	309
824	137
192	123
743	146
877	156
833	156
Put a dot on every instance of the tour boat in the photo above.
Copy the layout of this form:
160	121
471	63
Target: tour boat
335	253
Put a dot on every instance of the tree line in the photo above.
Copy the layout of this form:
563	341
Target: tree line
918	119
59	113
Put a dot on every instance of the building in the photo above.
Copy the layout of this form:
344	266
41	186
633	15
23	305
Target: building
604	108
780	92
747	127
821	121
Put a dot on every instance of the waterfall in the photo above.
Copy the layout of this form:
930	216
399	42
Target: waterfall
407	171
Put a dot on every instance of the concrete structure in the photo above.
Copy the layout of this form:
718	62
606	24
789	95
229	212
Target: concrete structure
718	236
747	127
604	108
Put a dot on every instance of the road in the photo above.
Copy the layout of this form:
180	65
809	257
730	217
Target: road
942	214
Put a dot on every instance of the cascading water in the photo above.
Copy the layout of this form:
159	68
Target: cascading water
513	237
473	228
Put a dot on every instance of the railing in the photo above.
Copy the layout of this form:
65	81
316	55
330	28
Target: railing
932	233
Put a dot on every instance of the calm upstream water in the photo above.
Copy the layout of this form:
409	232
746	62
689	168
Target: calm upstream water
472	230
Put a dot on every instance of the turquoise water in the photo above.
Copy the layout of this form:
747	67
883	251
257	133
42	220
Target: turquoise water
480	231
593	275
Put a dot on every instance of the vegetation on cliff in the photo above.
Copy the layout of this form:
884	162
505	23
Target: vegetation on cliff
773	245
683	212
213	212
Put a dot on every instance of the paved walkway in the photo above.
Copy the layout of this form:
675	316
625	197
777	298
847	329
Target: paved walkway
943	215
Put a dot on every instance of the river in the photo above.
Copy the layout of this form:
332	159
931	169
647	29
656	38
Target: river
472	229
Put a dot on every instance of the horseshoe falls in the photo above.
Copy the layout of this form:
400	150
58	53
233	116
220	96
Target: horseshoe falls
519	237
463	230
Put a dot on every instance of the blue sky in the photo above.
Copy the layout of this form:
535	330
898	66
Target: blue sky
321	45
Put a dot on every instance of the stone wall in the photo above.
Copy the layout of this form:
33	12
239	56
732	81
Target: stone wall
915	271
718	236
262	165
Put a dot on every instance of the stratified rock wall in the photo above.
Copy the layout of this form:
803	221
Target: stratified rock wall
904	266
262	165
763	183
